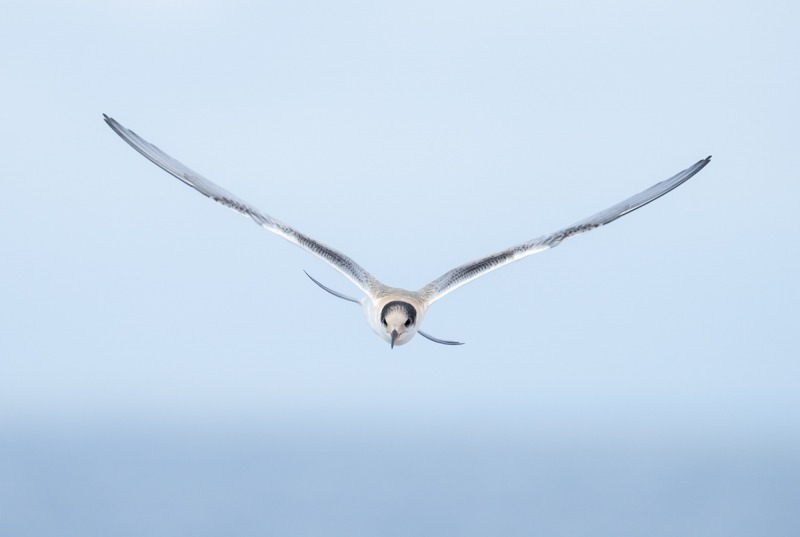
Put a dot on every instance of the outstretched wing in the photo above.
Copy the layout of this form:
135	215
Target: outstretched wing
363	279
466	273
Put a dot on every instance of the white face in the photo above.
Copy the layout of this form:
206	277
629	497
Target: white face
397	320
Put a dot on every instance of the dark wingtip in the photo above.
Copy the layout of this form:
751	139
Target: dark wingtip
703	162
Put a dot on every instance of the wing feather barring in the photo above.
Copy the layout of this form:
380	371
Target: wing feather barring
396	314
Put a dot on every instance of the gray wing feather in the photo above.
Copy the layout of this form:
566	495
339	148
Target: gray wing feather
466	273
437	340
360	277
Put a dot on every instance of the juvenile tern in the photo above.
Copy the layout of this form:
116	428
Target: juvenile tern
396	314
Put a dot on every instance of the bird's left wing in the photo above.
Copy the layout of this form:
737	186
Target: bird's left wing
457	277
352	270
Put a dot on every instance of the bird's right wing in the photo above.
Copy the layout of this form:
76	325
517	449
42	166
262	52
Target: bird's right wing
352	270
459	276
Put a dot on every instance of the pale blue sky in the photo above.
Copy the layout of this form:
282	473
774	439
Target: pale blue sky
412	136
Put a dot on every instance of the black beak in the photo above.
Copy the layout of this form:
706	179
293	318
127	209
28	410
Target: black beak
394	337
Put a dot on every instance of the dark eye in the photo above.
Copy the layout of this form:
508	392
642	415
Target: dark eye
383	321
408	323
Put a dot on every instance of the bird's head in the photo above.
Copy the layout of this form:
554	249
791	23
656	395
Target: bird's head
399	319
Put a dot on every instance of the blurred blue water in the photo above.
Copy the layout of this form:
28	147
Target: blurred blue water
254	480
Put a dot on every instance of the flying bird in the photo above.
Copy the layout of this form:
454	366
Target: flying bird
396	314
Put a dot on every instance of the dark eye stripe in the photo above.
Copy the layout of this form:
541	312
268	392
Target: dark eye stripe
407	308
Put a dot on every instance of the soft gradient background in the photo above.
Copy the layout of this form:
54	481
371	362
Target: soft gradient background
167	369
